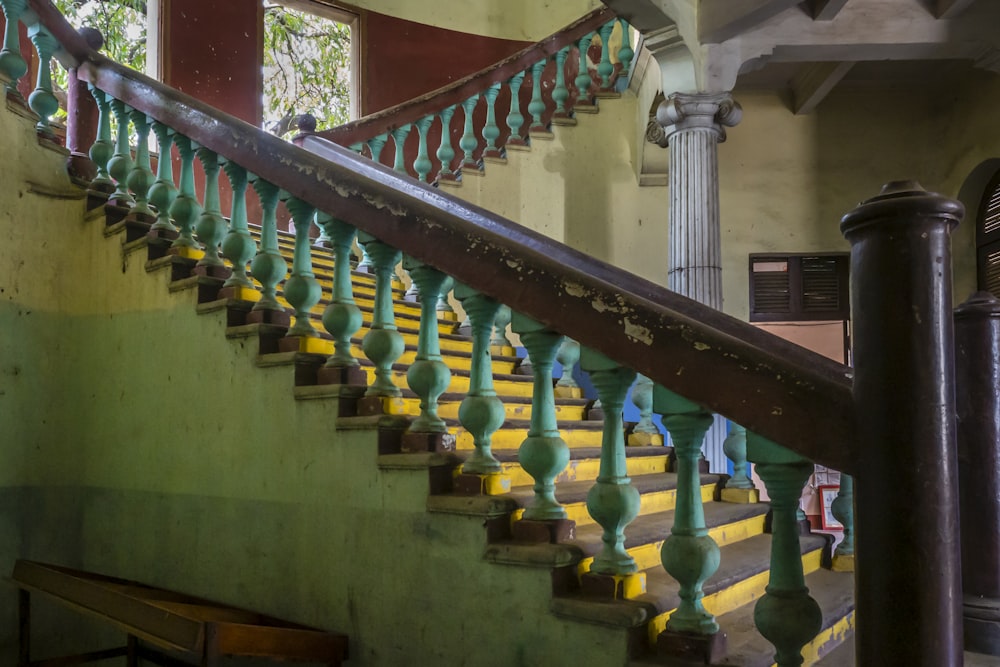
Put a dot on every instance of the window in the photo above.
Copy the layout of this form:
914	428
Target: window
988	239
799	287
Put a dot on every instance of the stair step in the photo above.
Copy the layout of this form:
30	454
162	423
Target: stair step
584	464
843	656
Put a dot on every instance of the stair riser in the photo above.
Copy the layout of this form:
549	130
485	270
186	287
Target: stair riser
588	469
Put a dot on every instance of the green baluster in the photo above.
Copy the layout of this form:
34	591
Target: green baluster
605	69
399	137
376	144
41	100
382	344
445	153
12	65
515	120
120	163
613	502
443	305
211	226
504	317
843	511
103	148
739	488
428	377
302	290
560	93
323	240
536	107
269	266
645	431
568	356
468	142
689	554
625	52
140	177
238	246
481	412
185	209
162	193
583	81
491	132
342	318
543	454
786	615
422	165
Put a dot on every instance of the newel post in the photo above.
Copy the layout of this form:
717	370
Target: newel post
977	376
908	577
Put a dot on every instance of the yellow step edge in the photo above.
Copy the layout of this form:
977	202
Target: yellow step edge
836	634
449	409
587	469
512	438
734	596
446	346
460	384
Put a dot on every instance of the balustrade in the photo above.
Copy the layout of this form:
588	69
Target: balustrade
238	246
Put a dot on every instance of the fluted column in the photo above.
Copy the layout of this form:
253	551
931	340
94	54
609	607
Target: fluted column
694	125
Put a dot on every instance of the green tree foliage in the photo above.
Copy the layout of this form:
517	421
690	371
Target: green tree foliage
306	64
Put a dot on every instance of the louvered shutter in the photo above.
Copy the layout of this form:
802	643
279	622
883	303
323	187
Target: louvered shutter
794	288
988	239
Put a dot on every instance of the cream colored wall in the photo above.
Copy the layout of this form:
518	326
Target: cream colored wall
528	20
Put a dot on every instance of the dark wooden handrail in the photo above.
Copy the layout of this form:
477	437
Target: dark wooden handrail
461	90
777	389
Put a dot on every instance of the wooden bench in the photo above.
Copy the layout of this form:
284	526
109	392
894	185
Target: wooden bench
161	624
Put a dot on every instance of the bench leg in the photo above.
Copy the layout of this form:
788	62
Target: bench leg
23	628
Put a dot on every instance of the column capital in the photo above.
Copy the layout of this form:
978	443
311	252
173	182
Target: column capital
682	112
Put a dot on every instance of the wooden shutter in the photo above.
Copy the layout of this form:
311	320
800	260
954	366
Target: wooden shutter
988	239
801	287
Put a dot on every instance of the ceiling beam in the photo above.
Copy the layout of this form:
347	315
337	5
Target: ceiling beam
719	20
824	10
814	83
949	9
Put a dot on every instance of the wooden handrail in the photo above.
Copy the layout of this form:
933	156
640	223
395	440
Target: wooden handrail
777	389
461	90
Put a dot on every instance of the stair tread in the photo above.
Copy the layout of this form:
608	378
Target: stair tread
572	492
651	528
843	656
575	453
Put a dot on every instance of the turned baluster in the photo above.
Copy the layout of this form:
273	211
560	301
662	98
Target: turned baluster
383	344
843	511
481	411
323	240
583	80
140	177
428	376
342	317
499	338
422	165
645	431
605	69
468	142
543	454
445	153
42	101
302	290
625	52
515	119
269	266
612	502
162	192
560	93
103	147
491	132
211	226
689	554
238	246
399	139
739	488
120	163
185	209
568	356
536	107
12	65
787	616
443	305
376	144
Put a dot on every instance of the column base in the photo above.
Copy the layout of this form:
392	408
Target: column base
551	531
613	586
707	649
743	496
473	484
